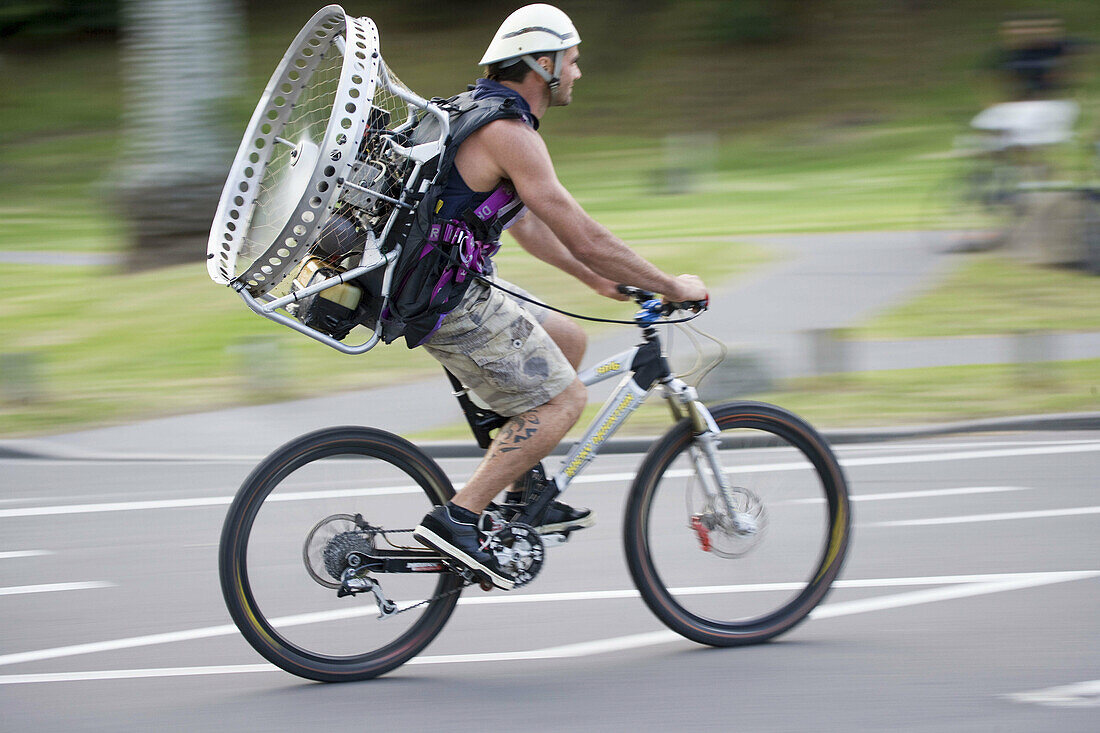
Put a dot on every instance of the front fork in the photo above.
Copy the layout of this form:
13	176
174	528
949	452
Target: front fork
684	402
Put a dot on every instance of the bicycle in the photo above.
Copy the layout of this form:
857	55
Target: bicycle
719	562
339	165
1006	160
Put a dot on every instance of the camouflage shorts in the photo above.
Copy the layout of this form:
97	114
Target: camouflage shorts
496	346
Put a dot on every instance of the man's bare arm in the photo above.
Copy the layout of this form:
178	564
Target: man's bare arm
537	238
523	157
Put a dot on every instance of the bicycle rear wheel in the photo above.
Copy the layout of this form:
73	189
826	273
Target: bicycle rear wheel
728	580
289	529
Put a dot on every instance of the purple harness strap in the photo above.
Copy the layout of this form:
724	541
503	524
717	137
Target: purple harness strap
473	255
497	200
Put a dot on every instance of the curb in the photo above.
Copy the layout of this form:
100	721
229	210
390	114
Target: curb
34	450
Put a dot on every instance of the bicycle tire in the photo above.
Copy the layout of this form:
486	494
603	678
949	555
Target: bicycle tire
651	530
343	451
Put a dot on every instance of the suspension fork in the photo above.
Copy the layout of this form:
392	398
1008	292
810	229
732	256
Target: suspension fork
682	398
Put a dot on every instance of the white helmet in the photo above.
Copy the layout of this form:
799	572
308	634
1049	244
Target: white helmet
531	30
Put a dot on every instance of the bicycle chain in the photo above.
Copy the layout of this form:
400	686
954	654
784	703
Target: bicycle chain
434	598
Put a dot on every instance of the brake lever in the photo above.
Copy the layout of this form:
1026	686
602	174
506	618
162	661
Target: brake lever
668	307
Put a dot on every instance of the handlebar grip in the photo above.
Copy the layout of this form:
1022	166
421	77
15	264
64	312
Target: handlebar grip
669	307
695	306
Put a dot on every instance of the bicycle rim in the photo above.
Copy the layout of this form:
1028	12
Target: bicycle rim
297	503
729	581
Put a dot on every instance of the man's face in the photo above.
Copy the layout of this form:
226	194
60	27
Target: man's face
570	72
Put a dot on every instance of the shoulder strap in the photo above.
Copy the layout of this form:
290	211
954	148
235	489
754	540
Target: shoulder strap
468	115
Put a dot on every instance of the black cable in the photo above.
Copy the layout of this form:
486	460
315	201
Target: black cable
594	319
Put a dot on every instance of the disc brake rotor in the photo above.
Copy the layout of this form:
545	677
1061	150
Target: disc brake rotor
731	536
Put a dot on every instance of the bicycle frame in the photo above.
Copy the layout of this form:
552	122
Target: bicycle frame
641	367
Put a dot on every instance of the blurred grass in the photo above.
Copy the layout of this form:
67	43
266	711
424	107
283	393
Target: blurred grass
845	122
109	347
914	396
990	294
903	396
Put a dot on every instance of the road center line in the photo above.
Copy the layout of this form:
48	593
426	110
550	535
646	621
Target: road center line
598	478
1008	581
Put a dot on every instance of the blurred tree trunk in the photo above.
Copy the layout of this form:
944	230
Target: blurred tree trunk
182	60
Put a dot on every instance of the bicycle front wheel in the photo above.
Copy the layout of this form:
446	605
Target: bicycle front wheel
743	567
285	542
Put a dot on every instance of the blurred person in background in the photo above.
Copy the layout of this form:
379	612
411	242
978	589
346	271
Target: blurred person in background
1012	149
1035	56
1034	62
519	358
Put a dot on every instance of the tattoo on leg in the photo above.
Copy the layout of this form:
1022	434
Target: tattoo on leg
516	431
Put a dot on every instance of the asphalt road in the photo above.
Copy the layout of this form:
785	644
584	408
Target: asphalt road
970	602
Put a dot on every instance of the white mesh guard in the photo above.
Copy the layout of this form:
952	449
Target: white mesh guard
299	145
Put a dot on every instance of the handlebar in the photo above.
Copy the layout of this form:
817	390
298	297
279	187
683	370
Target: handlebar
668	307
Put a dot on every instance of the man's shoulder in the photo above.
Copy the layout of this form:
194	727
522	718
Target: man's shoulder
509	133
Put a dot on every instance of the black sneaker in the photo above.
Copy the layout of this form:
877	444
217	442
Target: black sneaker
461	542
564	518
559	517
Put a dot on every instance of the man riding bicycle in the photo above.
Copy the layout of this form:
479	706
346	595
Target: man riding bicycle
519	358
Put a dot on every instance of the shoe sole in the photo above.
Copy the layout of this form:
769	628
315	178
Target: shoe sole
568	526
427	537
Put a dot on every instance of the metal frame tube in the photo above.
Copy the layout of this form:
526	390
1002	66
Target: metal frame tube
314	334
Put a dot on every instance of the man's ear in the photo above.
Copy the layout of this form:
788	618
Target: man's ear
547	63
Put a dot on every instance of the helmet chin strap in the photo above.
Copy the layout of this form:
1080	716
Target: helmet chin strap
552	79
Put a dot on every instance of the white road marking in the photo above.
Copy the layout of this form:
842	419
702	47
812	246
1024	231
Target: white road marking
129	506
12	554
16	590
962	586
930	493
1079	695
131	674
998	517
954	444
973	455
931	595
598	478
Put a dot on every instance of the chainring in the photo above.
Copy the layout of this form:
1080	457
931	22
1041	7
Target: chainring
520	551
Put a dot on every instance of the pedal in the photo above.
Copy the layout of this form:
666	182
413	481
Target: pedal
555	538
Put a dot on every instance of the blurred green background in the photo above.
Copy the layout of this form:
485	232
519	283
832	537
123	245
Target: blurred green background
817	115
